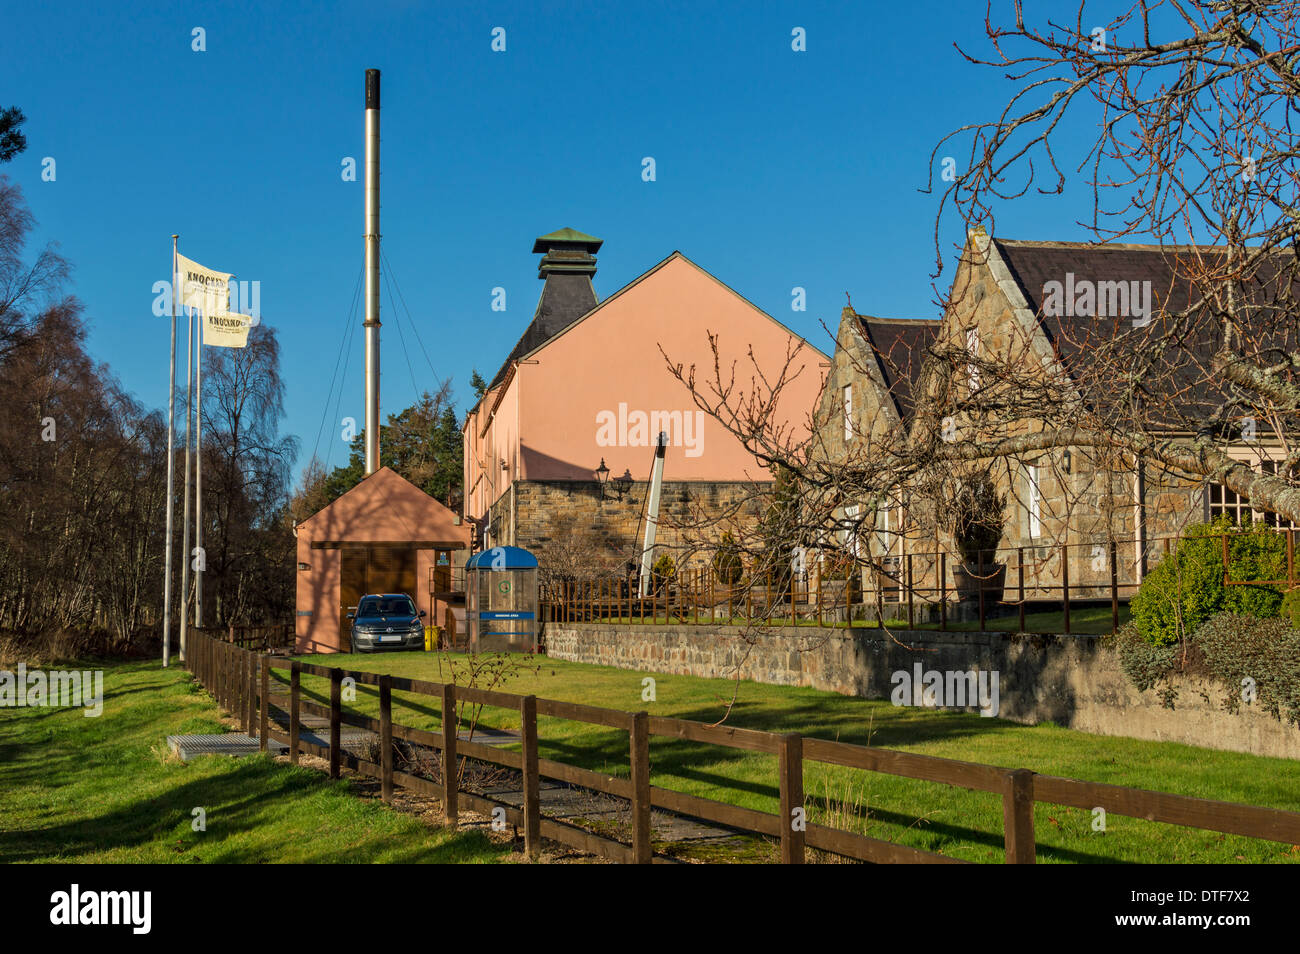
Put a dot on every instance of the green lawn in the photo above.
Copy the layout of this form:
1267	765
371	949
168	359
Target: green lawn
925	815
78	789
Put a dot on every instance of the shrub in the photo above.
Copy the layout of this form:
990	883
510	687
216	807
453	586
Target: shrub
1291	606
1237	648
662	570
1186	588
727	565
1146	664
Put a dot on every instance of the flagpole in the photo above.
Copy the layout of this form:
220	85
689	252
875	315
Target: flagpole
185	555
171	472
198	471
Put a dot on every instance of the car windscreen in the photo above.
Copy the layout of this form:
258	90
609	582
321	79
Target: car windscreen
397	606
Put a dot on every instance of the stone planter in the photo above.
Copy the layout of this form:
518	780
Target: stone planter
968	580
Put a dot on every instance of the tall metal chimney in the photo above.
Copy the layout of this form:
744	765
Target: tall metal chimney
372	271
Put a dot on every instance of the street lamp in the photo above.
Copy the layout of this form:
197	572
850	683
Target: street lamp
602	476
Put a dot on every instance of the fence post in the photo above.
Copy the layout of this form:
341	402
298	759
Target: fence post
639	744
1114	588
979	573
943	590
336	699
1018	817
697	593
794	585
250	667
911	596
532	799
265	712
1020	571
793	818
1065	585
450	813
1290	556
386	737
295	694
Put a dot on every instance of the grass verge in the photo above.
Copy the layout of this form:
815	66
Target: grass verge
925	815
105	789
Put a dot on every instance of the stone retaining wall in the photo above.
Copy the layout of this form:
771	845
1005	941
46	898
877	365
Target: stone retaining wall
1073	681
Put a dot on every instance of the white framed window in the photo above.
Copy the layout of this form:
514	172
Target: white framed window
973	349
1229	503
1033	501
848	412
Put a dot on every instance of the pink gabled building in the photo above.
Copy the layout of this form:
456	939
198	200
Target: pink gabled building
385	535
588	384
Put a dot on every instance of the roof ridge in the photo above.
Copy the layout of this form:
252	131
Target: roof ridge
898	321
1107	246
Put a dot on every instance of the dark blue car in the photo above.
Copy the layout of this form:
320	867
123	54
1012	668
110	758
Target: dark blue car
386	621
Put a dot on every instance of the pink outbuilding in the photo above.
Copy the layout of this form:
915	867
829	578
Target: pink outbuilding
385	535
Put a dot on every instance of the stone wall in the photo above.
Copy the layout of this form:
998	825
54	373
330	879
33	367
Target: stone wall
1073	681
550	513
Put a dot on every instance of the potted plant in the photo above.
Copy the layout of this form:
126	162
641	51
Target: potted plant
979	516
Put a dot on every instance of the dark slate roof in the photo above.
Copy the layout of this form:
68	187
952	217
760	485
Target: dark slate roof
1186	376
565	299
900	346
566	267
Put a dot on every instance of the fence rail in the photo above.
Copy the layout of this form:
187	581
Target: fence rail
264	637
240	680
915	589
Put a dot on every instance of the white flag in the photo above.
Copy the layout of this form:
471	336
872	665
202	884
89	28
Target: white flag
226	330
202	288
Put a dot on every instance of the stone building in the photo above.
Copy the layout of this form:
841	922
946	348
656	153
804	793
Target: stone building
1002	314
559	450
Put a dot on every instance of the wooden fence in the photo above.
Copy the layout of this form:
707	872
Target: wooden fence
240	680
264	637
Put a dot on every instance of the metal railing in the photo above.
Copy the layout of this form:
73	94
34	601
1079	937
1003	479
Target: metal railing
918	589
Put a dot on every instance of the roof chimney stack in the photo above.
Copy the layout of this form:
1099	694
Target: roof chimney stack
566	252
568	262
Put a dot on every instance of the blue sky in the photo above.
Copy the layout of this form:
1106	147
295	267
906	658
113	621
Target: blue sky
774	168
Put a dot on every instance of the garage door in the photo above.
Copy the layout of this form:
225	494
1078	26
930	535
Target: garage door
373	570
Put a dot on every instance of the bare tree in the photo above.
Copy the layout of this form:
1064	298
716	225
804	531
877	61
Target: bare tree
1195	157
